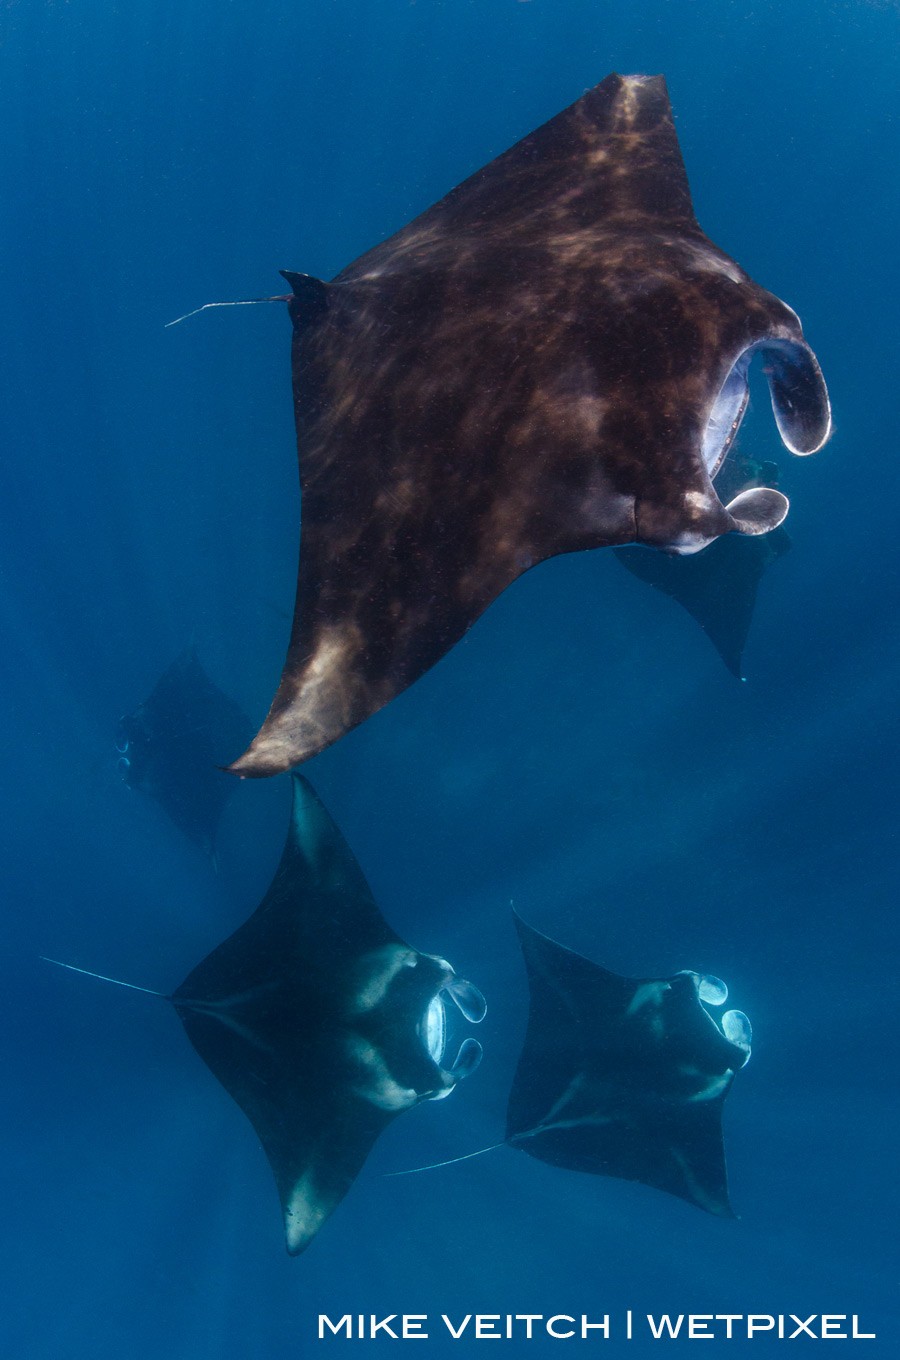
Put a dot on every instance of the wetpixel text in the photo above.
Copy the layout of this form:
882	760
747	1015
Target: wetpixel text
600	1327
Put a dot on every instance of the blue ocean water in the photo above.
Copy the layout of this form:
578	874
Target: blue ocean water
582	753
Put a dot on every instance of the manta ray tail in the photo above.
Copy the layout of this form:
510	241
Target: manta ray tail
132	986
240	302
433	1166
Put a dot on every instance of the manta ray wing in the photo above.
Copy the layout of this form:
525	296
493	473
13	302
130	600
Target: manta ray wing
552	358
717	586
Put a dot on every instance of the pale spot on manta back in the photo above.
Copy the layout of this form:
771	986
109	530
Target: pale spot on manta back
628	99
380	968
698	503
377	1086
647	994
602	509
713	1088
710	261
397	497
445	967
587	412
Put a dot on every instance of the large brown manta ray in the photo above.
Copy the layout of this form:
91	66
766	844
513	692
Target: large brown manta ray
553	357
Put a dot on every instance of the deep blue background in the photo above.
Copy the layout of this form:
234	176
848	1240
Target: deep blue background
582	752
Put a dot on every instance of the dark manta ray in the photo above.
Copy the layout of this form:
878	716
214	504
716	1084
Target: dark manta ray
718	585
172	745
553	357
625	1076
321	1022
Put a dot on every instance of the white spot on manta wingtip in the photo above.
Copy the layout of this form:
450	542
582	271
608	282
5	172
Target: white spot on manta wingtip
303	1215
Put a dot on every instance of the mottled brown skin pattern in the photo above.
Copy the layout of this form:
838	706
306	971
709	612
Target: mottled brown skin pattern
526	369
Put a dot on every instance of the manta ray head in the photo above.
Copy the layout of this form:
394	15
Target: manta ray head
803	416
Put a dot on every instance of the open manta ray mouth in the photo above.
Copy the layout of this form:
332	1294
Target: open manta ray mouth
436	1025
734	1025
802	415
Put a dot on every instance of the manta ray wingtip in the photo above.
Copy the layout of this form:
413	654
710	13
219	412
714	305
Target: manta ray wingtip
257	765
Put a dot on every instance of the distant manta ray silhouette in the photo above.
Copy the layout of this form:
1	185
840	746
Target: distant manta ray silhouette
553	357
170	747
320	1022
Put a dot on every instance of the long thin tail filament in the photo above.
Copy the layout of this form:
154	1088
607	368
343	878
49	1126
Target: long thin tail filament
132	986
242	302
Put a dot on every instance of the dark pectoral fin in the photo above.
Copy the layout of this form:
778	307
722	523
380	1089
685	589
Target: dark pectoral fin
717	586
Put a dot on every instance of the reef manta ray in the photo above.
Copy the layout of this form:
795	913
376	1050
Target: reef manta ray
320	1022
553	357
624	1076
170	745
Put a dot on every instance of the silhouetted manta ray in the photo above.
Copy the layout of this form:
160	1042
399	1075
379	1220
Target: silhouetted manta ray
625	1076
173	744
718	585
553	357
320	1021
